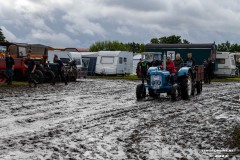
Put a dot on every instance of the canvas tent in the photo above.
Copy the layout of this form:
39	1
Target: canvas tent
136	59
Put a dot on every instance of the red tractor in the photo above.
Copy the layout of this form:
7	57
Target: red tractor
19	52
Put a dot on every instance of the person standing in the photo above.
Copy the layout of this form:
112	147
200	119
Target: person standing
60	71
178	61
30	68
143	70
205	64
9	68
190	61
138	71
209	70
55	58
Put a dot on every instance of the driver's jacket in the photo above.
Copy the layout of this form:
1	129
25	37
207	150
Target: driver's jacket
170	67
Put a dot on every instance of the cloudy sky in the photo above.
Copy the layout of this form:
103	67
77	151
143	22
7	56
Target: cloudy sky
80	23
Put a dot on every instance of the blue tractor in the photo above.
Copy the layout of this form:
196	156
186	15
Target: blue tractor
184	83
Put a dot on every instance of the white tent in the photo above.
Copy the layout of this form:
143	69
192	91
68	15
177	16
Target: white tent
136	59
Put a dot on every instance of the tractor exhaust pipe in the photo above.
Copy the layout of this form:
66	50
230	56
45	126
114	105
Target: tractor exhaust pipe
164	62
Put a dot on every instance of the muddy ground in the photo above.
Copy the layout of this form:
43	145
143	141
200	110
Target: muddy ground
101	119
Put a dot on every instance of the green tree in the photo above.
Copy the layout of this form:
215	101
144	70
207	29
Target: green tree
185	41
224	46
173	39
154	40
234	48
2	38
116	46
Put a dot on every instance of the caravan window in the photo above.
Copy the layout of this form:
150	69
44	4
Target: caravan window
149	57
125	59
107	60
65	60
157	57
221	61
120	60
3	49
78	61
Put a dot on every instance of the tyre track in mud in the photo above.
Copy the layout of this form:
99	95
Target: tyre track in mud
192	132
87	120
101	119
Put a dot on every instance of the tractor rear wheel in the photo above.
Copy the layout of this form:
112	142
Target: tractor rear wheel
140	91
38	76
187	87
49	76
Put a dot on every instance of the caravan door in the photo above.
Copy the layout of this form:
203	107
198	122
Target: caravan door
121	67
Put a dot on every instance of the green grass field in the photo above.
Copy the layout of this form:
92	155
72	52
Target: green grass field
15	83
237	79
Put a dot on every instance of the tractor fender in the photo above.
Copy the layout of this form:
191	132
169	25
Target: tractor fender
184	71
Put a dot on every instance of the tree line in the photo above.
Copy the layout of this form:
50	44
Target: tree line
139	47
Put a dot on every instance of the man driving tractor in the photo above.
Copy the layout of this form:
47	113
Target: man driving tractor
170	65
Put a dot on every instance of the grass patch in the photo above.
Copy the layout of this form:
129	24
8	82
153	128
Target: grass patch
236	79
15	84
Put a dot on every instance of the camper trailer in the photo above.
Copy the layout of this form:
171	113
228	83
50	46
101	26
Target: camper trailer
114	63
225	65
66	57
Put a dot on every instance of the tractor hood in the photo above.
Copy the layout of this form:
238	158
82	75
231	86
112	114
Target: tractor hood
157	71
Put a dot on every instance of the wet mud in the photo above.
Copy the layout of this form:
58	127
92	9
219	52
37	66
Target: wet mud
101	119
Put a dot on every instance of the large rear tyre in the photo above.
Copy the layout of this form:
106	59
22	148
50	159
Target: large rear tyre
140	91
38	76
187	87
49	76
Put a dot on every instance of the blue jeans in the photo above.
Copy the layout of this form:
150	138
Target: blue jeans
9	74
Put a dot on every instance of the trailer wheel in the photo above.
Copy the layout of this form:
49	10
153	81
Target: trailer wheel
140	91
199	87
187	87
38	76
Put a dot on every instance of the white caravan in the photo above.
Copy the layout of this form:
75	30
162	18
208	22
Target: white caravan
114	63
66	57
226	66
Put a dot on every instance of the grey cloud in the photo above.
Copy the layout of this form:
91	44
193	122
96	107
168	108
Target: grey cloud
81	23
